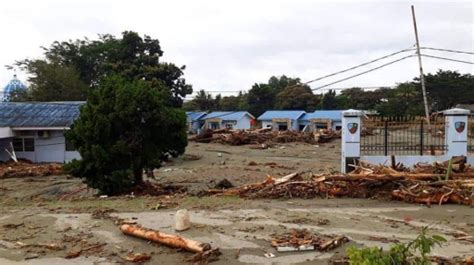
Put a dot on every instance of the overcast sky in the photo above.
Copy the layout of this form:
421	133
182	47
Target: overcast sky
230	45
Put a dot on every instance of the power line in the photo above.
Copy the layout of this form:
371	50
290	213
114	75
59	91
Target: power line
446	50
447	59
360	65
365	72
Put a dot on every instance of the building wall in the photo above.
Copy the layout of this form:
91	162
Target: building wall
266	124
243	124
50	149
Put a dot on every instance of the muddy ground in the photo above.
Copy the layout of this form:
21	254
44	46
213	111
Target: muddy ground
45	219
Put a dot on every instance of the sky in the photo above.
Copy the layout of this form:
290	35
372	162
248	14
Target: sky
229	45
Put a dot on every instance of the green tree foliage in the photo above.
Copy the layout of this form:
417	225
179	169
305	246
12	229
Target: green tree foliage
263	97
405	100
204	101
445	89
58	83
296	98
260	99
329	101
125	127
87	61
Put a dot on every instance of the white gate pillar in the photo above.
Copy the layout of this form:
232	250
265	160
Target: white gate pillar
455	131
350	137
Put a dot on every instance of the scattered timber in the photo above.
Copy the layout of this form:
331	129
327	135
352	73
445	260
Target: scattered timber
427	184
264	138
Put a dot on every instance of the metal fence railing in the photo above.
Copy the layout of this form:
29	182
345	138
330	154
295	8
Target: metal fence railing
402	136
470	135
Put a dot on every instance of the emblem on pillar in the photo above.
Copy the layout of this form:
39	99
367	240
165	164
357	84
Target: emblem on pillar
352	127
459	126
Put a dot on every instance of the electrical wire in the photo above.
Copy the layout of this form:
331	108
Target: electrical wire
446	50
365	72
360	65
447	59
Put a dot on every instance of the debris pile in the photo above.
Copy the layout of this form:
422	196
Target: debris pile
428	184
264	136
298	240
24	168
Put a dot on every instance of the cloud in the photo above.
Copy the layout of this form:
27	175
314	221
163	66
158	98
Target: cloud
229	45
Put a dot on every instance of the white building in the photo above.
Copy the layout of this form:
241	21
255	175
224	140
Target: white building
238	120
35	131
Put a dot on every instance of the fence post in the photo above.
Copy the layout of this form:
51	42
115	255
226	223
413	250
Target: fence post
385	138
350	137
456	131
421	137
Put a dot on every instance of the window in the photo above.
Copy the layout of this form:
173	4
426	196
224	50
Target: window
282	127
69	146
18	144
24	144
214	125
29	144
229	126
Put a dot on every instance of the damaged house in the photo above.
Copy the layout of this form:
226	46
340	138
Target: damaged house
237	120
281	120
321	119
35	131
193	121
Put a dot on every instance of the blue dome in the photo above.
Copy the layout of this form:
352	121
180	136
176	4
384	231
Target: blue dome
13	85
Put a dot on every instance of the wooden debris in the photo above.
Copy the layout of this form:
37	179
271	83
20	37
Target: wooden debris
264	138
368	181
25	168
301	240
174	241
137	257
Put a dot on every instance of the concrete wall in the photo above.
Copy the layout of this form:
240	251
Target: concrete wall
410	161
266	124
243	124
50	149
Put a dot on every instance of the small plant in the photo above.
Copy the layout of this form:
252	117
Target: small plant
413	252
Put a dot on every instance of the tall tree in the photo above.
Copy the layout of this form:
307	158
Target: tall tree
445	89
329	101
125	127
203	101
260	98
296	98
131	56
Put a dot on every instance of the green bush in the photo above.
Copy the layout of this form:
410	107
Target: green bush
413	252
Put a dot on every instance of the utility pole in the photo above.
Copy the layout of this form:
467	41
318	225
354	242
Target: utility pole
422	77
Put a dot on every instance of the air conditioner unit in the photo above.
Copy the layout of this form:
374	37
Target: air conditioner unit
43	134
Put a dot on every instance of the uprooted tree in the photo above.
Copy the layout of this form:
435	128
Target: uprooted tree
125	127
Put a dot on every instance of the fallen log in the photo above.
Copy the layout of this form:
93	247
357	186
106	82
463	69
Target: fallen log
170	240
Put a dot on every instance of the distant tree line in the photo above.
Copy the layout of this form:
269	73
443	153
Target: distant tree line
445	89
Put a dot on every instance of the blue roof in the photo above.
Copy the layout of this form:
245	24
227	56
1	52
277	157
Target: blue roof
46	114
227	115
12	86
194	116
334	115
281	114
